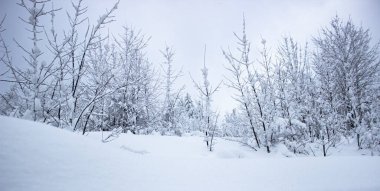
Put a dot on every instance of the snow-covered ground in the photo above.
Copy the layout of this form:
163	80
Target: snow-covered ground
193	146
34	156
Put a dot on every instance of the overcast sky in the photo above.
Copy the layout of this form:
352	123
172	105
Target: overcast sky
187	26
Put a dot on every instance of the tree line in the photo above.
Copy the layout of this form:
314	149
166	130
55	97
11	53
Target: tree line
309	99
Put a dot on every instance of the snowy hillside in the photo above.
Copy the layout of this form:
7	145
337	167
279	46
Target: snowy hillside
34	156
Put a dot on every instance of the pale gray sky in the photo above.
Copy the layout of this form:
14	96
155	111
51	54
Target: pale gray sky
188	25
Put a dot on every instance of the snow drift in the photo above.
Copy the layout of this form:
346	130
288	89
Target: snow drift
34	156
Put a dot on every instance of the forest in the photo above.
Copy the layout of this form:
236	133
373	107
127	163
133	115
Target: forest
310	97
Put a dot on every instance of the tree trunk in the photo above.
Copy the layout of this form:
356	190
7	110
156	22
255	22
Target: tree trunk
87	119
324	146
358	140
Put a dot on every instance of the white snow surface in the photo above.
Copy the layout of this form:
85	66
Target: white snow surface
34	156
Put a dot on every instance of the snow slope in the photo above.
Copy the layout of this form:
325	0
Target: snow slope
34	156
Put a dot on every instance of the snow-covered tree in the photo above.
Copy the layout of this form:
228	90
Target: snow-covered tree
291	78
253	88
78	55
206	91
346	57
190	114
41	84
239	81
170	112
33	79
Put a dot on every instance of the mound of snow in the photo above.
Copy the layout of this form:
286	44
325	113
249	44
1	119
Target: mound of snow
282	150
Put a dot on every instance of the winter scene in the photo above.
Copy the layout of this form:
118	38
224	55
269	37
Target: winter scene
189	95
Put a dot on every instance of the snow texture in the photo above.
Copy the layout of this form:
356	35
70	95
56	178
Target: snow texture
34	156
